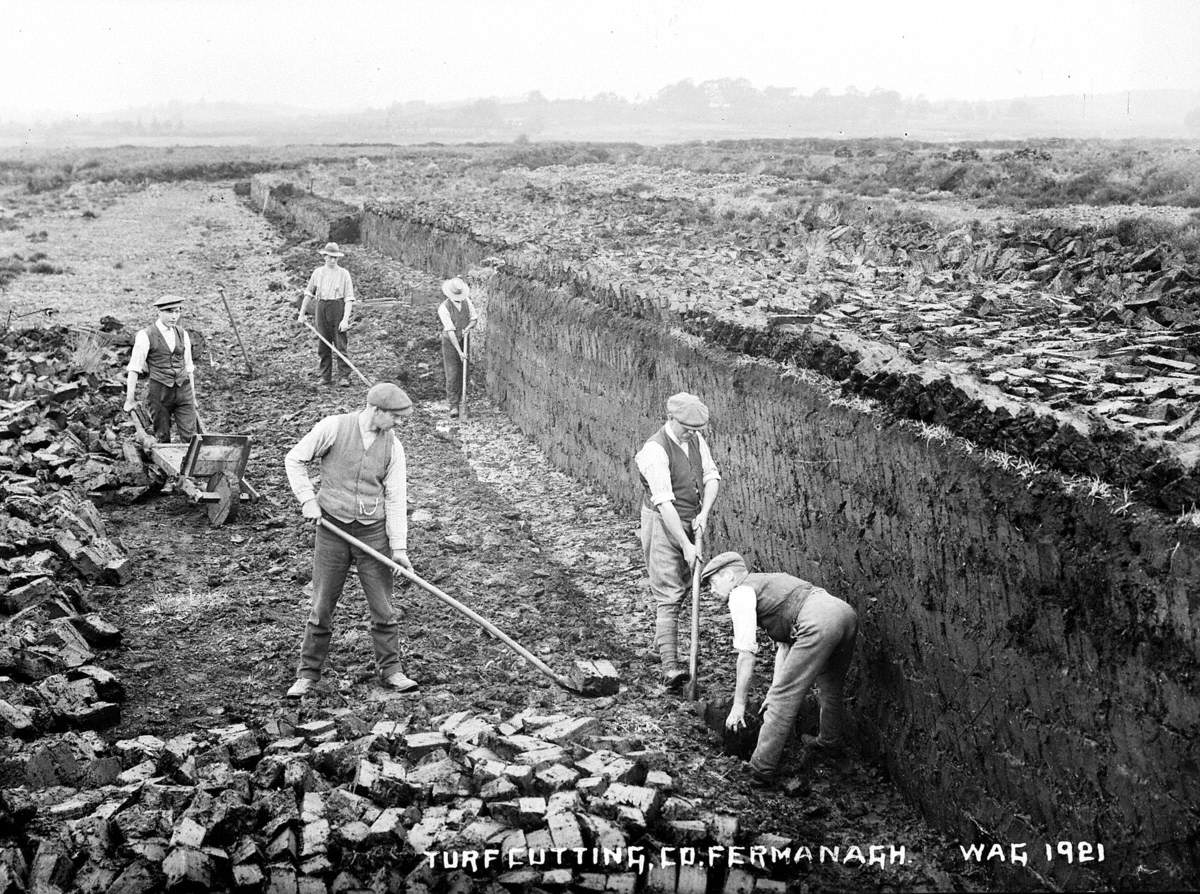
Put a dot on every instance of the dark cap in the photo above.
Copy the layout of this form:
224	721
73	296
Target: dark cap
719	561
168	302
389	396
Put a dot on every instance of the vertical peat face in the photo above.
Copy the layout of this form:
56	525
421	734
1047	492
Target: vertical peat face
1028	655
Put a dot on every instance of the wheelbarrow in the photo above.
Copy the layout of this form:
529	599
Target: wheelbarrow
209	469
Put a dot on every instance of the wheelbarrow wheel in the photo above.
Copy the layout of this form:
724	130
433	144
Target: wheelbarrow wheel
226	508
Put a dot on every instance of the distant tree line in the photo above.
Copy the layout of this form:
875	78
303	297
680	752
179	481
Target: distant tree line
728	107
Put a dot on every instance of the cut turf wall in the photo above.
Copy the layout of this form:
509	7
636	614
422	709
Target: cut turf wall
1028	656
1025	652
325	220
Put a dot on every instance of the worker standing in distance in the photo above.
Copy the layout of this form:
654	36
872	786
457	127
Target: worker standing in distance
814	636
680	483
163	351
364	491
457	317
332	291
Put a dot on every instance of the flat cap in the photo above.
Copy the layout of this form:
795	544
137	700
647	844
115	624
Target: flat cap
389	396
687	409
719	561
167	301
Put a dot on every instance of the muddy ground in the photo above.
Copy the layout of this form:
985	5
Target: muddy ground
213	619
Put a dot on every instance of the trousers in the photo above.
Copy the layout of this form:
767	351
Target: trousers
331	563
169	403
822	645
452	366
328	316
670	580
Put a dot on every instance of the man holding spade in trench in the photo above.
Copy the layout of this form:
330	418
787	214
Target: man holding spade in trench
457	317
680	481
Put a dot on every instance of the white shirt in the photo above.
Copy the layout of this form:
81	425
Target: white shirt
141	348
444	314
655	467
395	479
330	284
743	611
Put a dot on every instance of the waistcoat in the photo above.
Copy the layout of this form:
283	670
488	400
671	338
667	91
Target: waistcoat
778	598
351	477
459	316
687	476
162	364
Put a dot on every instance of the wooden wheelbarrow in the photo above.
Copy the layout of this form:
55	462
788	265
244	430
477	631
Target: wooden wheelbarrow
209	469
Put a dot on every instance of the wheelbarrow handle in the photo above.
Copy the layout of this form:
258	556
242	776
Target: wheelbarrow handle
474	616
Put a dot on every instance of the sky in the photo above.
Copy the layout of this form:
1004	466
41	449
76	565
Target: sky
90	56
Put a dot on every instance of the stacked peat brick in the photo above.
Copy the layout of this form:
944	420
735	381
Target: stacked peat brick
335	803
57	442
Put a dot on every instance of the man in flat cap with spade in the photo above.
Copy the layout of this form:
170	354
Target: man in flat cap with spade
364	492
680	483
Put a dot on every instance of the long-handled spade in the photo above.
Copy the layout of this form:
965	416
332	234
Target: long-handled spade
689	691
458	607
236	333
343	357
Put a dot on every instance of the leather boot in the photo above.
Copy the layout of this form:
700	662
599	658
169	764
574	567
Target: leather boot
666	639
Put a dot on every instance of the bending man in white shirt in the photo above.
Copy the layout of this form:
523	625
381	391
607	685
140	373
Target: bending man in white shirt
814	636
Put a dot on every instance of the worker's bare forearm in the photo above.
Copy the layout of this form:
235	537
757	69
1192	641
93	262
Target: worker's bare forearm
745	673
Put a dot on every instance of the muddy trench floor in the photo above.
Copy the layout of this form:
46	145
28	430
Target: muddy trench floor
213	618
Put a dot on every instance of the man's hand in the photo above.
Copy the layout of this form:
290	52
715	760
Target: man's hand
129	405
400	557
343	326
311	509
689	554
699	523
300	317
737	717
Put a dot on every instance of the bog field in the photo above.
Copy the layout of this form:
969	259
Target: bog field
956	385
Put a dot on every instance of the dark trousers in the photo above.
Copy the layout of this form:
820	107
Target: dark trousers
169	402
452	365
329	316
331	563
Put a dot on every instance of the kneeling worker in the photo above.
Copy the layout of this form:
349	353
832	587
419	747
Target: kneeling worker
814	634
364	492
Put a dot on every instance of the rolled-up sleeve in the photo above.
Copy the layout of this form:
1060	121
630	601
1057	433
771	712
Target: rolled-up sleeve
395	497
743	610
706	461
314	444
141	349
189	366
652	462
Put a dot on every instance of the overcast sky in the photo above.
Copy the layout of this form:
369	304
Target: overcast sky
100	55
